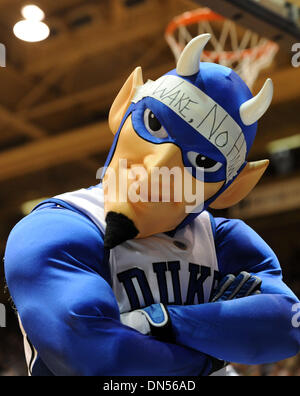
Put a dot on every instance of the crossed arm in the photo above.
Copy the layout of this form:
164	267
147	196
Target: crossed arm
72	318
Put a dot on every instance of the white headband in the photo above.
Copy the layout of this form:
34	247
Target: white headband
201	112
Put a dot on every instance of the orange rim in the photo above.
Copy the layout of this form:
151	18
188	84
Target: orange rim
205	14
191	17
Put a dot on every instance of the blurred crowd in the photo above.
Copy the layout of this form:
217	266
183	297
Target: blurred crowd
286	368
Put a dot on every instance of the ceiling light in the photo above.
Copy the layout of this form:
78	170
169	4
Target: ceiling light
33	13
32	29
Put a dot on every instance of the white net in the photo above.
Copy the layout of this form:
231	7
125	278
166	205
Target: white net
242	50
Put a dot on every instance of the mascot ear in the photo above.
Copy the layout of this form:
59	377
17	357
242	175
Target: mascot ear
242	186
124	98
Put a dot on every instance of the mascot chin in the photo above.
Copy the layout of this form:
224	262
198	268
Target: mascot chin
134	276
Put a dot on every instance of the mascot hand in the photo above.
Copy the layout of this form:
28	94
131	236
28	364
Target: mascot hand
234	287
153	320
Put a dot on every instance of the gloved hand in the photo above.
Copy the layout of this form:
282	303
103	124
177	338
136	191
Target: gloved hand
152	320
232	287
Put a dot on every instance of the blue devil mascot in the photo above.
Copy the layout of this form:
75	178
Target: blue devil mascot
107	287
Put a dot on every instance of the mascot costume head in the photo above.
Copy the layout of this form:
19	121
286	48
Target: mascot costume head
200	118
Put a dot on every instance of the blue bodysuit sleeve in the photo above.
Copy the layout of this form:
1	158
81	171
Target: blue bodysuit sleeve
252	330
54	265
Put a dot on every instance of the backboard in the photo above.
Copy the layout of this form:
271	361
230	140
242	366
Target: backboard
278	20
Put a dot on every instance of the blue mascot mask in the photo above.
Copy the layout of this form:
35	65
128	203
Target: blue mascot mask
201	118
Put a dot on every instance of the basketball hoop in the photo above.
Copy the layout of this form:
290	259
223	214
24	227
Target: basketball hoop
243	51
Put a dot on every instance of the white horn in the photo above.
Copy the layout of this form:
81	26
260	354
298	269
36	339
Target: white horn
189	61
256	107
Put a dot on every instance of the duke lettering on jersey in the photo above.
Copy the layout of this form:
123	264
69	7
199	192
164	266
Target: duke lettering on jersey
195	291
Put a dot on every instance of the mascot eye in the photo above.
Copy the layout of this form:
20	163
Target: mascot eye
154	126
201	161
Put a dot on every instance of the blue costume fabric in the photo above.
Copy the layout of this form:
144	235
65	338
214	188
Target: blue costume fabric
71	315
